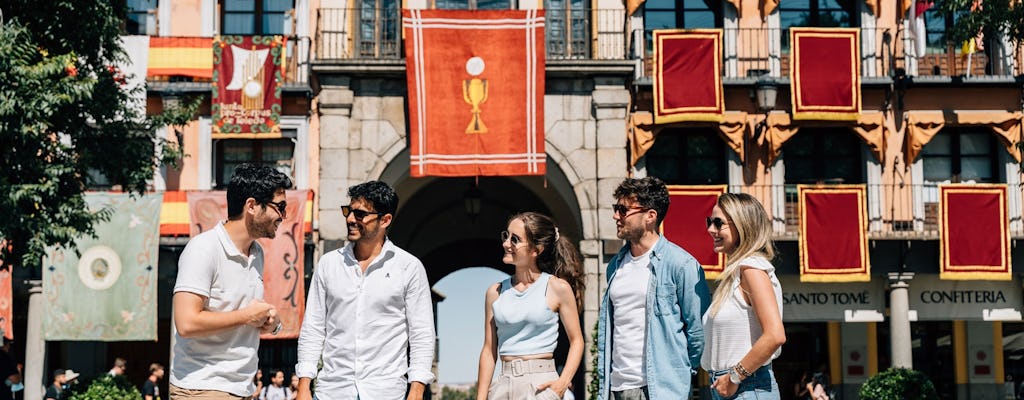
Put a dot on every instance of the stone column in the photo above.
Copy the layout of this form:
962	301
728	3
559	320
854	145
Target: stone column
899	323
35	346
335	105
610	101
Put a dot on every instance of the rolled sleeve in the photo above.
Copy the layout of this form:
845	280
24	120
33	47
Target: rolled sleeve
420	317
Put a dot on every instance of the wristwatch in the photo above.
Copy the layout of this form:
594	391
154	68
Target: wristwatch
277	329
734	376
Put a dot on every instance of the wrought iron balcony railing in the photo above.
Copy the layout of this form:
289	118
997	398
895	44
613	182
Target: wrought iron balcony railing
750	52
894	211
373	33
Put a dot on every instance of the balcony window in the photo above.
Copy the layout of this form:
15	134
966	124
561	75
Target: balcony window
961	155
690	14
379	29
566	24
255	17
474	4
278	153
141	17
688	157
815	13
824	155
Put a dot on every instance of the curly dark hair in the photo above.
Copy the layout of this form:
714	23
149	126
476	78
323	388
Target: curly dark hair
649	192
258	182
379	194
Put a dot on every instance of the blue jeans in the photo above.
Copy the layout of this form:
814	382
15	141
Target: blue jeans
760	386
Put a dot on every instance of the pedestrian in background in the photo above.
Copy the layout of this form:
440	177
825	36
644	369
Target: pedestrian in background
150	388
276	390
521	313
743	327
258	380
294	387
369	316
219	312
650	336
120	365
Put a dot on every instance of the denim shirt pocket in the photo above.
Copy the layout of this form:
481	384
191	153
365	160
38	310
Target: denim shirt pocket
666	300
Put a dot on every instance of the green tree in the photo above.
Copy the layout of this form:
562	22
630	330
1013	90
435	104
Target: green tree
66	122
898	383
107	387
993	18
448	393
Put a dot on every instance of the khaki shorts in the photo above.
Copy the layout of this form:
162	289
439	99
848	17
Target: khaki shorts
179	393
519	380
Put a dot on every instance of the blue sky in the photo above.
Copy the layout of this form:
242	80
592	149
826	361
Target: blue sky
460	322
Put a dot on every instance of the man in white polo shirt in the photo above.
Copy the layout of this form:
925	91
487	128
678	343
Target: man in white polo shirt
219	310
368	313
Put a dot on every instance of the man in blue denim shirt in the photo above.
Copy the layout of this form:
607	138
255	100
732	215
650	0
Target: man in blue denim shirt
650	336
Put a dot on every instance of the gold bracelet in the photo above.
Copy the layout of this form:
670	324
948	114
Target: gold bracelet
743	371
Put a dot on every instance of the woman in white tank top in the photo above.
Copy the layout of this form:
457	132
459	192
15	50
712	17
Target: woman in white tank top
522	314
743	329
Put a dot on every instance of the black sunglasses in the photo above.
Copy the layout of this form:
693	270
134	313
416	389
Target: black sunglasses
515	239
717	222
622	210
282	207
360	214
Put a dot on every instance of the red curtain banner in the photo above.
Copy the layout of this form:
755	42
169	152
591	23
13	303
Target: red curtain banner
179	56
825	73
833	234
283	256
974	232
686	226
248	72
6	303
688	75
476	92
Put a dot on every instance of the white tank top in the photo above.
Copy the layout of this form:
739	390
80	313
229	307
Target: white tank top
731	333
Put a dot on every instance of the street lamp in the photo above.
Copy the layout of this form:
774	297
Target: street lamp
472	200
766	92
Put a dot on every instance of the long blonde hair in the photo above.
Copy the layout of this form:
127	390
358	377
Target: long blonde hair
753	231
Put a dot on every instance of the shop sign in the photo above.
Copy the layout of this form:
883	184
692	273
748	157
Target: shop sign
943	300
811	301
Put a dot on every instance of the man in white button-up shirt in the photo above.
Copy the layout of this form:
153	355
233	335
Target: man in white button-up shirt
368	307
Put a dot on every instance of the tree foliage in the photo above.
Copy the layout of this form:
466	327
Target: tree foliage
67	122
107	387
448	393
898	383
994	18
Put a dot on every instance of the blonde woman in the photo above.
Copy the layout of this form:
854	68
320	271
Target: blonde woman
743	327
521	314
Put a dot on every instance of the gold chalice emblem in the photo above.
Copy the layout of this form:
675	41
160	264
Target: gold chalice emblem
474	92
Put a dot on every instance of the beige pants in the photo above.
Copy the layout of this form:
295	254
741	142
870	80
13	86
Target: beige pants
179	393
519	380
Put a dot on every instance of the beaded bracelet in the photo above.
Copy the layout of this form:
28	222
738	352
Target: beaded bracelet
743	371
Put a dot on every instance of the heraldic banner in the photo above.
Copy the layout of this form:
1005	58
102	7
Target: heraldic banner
825	72
283	256
974	232
688	75
476	92
106	290
247	77
685	224
833	234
